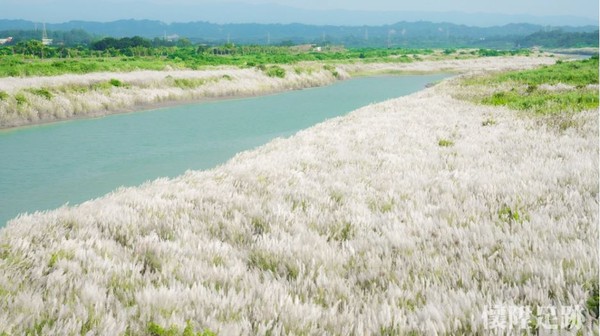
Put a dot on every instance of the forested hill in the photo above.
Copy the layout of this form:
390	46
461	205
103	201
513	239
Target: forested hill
401	34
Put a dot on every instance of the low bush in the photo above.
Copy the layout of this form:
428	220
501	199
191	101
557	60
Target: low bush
42	93
275	71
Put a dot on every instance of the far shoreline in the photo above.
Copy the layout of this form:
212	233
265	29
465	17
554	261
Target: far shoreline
245	84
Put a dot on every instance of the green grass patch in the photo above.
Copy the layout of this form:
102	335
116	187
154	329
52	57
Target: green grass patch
155	329
577	73
17	66
59	255
21	99
107	85
116	82
544	102
263	261
188	83
445	143
527	95
4	96
44	93
593	302
268	262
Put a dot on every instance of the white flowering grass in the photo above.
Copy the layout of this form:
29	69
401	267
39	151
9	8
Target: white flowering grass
94	95
457	65
361	225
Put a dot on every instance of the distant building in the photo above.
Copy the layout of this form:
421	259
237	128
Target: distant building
5	40
172	38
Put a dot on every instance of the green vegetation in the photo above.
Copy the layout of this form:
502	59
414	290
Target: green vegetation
445	143
542	102
25	66
188	83
44	93
593	302
533	91
331	69
115	82
508	215
418	34
59	255
560	39
275	71
21	99
578	73
155	329
494	52
32	58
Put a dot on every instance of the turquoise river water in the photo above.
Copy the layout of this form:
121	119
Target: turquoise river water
44	167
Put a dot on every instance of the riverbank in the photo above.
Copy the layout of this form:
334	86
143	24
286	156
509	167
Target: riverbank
416	214
36	100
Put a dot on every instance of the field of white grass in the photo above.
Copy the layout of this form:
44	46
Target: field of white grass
459	65
97	94
409	216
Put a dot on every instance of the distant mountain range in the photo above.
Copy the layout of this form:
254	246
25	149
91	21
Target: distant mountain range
404	34
230	12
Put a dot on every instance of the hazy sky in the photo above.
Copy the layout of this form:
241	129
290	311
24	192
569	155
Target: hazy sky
587	8
102	10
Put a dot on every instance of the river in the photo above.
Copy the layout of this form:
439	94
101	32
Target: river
46	166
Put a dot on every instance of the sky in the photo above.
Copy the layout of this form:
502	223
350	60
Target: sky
258	10
534	7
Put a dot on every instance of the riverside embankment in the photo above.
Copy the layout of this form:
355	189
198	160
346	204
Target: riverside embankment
35	100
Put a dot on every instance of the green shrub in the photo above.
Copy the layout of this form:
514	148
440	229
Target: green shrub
21	99
115	82
276	71
331	69
42	93
3	96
